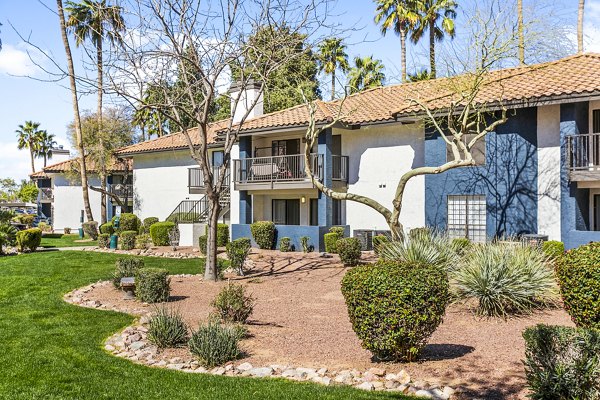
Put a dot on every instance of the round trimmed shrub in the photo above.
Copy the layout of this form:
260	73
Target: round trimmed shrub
215	344
237	251
340	230
578	274
126	268
148	222
142	241
166	328
330	240
263	233
349	250
285	244
232	304
395	307
29	239
203	243
90	228
159	232
104	240
107	228
222	234
553	248
127	222
127	239
152	285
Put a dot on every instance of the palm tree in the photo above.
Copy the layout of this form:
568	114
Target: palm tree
27	138
580	26
430	14
401	15
418	76
96	21
332	56
367	73
45	145
521	32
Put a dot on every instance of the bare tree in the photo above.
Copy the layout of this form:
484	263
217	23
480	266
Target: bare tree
198	44
521	32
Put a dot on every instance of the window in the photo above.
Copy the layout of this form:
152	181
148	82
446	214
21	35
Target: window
286	212
336	209
596	121
285	147
478	150
314	212
467	217
217	158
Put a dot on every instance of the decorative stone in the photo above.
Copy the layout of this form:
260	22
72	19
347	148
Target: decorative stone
403	377
322	371
108	347
261	372
366	386
439	394
137	345
377	371
391	384
244	367
369	376
218	371
424	393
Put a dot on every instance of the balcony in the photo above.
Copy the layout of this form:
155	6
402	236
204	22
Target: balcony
45	194
583	157
123	191
285	172
196	179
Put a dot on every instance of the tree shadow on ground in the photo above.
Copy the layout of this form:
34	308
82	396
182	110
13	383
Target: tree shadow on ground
445	351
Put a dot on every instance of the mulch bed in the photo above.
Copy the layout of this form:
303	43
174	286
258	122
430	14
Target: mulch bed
300	319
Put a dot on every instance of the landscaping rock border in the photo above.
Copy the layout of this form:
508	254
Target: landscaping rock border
148	253
131	343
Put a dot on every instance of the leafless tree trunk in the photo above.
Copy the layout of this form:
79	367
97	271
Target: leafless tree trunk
75	100
521	32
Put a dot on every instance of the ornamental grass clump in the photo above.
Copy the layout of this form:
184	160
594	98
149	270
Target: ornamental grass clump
578	272
505	279
215	344
232	304
166	328
394	307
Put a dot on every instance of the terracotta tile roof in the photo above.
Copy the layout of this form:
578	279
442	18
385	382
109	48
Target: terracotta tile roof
521	86
175	141
73	164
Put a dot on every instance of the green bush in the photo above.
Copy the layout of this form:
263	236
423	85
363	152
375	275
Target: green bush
107	228
417	232
104	240
553	248
562	362
379	241
159	232
166	328
142	241
127	222
8	235
349	250
222	234
460	245
578	273
25	219
340	230
203	243
330	240
127	239
237	251
152	285
148	222
184	217
395	307
305	243
263	233
6	216
285	245
215	344
232	304
505	279
29	239
126	268
90	229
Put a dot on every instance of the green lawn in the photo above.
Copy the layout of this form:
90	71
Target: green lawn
51	240
53	350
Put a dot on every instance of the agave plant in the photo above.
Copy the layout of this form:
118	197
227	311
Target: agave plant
505	279
8	235
422	247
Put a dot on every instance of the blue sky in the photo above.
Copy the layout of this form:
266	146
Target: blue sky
50	103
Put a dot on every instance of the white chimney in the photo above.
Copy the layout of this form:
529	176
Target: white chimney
251	97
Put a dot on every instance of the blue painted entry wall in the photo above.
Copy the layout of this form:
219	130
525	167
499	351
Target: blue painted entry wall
508	179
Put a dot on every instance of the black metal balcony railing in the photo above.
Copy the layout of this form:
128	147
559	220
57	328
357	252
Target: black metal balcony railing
288	168
121	190
583	156
196	177
46	194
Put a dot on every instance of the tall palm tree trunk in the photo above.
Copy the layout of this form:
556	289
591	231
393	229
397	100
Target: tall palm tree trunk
580	26
403	53
45	159
73	84
31	157
432	48
333	85
520	32
102	168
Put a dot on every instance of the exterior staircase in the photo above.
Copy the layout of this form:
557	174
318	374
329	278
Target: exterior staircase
196	211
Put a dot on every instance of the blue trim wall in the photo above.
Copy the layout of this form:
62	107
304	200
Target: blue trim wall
325	203
508	179
574	120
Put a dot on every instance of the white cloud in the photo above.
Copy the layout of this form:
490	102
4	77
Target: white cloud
14	163
15	60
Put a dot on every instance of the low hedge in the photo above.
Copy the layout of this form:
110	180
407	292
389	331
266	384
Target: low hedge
107	228
142	241
127	222
90	228
578	273
330	240
202	243
127	240
395	307
159	233
29	239
152	285
349	250
148	222
104	240
562	362
263	233
126	268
